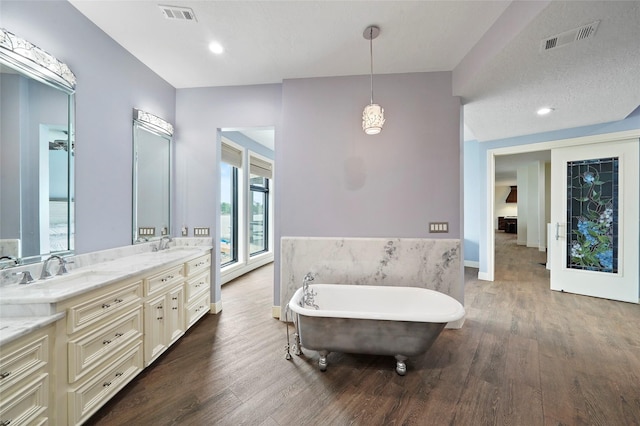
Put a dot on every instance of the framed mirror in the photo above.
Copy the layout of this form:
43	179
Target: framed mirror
36	153
152	165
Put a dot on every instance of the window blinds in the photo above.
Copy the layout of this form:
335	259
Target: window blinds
231	155
260	167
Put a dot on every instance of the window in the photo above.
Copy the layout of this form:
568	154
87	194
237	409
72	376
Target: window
229	208
228	215
259	223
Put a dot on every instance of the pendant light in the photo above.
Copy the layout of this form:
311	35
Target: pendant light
373	114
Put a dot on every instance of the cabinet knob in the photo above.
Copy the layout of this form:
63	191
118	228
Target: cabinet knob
174	298
159	307
174	308
159	318
4	375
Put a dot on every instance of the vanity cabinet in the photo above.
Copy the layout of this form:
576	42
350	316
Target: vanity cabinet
104	345
25	369
198	292
164	321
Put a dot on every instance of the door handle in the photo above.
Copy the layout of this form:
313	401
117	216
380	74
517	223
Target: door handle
557	231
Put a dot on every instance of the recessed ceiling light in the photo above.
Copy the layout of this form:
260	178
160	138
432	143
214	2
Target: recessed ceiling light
545	111
216	47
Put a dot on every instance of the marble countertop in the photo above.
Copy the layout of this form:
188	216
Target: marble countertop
85	279
16	327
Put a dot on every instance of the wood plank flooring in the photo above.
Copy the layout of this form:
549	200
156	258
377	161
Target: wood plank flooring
525	356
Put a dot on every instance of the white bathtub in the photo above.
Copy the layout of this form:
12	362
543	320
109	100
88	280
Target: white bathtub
380	320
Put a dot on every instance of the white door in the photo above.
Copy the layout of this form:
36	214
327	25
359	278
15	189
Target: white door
594	238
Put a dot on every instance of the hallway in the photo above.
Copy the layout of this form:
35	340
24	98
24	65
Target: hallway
525	356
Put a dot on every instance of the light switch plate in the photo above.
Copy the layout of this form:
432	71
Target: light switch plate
200	232
146	231
438	227
185	231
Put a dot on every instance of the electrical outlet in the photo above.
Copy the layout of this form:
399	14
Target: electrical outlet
185	231
164	231
438	227
200	232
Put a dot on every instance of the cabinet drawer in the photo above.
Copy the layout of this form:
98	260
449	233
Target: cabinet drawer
92	348
26	404
18	363
89	397
100	307
159	282
198	309
195	266
198	285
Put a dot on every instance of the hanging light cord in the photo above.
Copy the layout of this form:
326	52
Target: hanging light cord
371	56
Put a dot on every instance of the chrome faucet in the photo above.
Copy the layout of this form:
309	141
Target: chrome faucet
162	245
308	294
62	269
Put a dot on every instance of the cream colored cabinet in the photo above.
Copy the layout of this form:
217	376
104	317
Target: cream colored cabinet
198	288
164	311
25	371
104	345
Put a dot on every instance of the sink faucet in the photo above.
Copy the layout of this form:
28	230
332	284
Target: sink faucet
164	242
45	267
307	294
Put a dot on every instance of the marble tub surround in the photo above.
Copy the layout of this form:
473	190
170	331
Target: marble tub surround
413	262
16	327
13	275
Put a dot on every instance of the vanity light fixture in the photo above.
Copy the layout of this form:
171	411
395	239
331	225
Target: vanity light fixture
373	114
24	56
154	121
545	111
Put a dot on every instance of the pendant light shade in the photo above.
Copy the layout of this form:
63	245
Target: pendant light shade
373	114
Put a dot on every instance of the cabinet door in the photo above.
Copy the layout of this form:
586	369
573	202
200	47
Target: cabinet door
175	314
155	322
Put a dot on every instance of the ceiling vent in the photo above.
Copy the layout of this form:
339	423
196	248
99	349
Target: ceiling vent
568	37
178	13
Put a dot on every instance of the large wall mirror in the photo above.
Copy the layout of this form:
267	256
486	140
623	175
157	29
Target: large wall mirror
152	138
36	153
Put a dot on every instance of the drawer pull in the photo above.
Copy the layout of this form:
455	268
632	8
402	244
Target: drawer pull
105	305
159	307
118	301
200	264
119	335
174	298
5	375
159	318
105	384
119	374
5	423
106	342
174	308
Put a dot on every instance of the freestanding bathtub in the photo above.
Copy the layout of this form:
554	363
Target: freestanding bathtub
377	320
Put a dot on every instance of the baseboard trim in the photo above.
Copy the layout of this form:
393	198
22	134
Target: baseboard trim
275	312
472	264
216	307
484	276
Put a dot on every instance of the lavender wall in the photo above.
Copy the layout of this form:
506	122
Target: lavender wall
200	113
110	83
332	180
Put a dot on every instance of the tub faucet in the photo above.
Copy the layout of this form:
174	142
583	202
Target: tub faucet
62	269
308	294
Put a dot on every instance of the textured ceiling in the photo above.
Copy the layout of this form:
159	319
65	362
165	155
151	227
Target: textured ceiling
493	44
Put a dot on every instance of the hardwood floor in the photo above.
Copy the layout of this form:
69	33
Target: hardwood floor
525	356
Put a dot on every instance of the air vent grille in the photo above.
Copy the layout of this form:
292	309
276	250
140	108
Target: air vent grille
178	13
568	37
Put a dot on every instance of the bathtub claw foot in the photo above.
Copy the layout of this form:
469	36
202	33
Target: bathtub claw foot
287	356
401	367
322	362
297	348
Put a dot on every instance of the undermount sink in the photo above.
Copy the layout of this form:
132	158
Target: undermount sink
72	279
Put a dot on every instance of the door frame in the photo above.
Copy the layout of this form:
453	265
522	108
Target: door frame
489	245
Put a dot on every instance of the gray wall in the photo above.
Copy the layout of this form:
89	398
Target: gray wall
200	113
333	180
110	83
